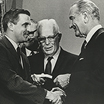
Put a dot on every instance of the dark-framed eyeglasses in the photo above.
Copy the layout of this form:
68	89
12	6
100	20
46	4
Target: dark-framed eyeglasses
32	32
50	38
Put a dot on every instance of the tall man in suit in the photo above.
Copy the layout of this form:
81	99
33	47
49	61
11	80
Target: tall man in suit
15	82
86	84
49	38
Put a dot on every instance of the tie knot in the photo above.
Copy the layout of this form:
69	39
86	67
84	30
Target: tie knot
85	42
18	49
32	52
84	45
50	58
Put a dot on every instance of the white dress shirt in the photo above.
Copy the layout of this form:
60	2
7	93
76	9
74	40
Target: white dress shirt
53	60
91	33
28	52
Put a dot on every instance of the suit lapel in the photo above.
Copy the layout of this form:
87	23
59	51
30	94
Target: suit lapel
10	47
41	66
40	62
94	37
90	45
59	62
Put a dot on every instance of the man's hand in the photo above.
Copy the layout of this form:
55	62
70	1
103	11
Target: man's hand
62	80
39	78
55	95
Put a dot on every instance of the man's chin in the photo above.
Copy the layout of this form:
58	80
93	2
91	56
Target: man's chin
48	52
78	35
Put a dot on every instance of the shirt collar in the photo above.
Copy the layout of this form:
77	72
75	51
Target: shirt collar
55	56
91	33
12	42
28	52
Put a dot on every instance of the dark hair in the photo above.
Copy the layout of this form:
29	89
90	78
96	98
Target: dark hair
12	16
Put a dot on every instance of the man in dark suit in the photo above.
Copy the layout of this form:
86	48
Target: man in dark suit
87	80
15	82
49	38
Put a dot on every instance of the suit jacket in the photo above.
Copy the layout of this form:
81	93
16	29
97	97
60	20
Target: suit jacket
87	80
15	86
62	66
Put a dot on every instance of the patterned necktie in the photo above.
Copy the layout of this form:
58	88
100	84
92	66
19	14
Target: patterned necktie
48	66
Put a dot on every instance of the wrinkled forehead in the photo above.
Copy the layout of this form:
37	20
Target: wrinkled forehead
73	10
47	30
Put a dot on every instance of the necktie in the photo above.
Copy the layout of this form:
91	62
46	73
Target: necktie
48	66
32	53
19	53
19	56
21	69
84	45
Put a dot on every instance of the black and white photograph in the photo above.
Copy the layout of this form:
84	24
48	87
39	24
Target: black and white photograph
51	52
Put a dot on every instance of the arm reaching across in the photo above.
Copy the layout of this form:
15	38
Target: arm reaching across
62	80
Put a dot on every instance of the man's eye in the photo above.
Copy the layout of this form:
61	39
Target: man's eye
25	25
71	18
41	39
50	37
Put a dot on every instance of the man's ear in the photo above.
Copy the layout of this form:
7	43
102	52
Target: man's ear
86	17
10	26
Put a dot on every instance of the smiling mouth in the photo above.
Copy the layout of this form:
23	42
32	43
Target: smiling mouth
74	27
48	48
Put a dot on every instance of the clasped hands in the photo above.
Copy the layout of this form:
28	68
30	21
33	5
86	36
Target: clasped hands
61	80
56	95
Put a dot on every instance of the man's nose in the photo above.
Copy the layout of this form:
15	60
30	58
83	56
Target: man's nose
71	25
47	41
26	32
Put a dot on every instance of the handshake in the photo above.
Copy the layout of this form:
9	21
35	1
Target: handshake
61	80
56	95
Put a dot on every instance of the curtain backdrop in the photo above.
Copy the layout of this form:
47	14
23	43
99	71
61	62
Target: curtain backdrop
6	5
13	4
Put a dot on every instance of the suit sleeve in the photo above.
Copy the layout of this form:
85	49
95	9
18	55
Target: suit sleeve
15	84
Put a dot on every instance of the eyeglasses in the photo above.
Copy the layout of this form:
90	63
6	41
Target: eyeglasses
31	32
50	38
31	35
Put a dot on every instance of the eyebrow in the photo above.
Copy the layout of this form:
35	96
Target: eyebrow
26	23
32	32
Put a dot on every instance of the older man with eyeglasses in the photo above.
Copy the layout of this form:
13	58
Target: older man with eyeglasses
54	63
